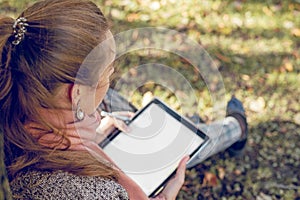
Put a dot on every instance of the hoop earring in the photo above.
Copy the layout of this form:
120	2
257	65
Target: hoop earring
79	113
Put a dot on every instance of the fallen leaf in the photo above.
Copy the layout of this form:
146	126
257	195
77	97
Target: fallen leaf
132	17
296	32
210	179
133	72
223	58
296	54
245	77
267	11
237	172
147	97
257	105
288	66
283	129
263	196
116	13
221	173
155	5
297	118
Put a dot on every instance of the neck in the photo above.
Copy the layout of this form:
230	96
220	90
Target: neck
77	136
59	129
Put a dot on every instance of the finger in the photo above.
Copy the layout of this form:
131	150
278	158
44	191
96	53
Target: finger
172	188
106	126
180	173
125	113
121	125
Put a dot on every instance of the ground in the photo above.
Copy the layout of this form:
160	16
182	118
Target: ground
255	47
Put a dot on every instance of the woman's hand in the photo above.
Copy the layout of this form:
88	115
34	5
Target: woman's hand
172	188
108	124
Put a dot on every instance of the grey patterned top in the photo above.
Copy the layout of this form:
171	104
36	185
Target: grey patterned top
62	185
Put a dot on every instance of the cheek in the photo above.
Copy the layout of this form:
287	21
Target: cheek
103	86
100	94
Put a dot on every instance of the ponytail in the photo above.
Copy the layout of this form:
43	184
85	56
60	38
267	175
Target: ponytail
20	94
5	58
60	34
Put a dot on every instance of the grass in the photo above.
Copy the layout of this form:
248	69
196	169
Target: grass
255	46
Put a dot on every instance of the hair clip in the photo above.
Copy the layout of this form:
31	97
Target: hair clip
19	29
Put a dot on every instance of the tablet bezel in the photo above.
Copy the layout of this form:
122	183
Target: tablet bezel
176	116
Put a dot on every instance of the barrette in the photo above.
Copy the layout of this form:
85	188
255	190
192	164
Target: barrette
19	30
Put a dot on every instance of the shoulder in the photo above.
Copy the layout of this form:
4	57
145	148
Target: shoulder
63	185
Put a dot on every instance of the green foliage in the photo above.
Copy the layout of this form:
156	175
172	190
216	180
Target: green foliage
255	44
14	7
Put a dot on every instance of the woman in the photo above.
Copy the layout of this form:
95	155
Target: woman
48	110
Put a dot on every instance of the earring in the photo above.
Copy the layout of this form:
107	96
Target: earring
79	113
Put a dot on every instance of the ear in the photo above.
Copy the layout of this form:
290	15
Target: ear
74	93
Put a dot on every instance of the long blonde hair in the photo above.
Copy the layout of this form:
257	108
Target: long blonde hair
60	34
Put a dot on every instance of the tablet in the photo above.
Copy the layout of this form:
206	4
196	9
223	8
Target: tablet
151	151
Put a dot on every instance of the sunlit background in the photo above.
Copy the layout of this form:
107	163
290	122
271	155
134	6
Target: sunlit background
256	47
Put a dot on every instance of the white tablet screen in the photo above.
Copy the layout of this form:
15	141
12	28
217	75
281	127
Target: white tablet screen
151	152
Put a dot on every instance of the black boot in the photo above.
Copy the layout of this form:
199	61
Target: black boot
235	109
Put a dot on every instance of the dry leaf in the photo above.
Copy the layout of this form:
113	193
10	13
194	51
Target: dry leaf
257	105
263	196
147	97
223	58
155	5
132	17
267	11
210	179
221	173
237	172
245	77
133	72
297	118
288	66
296	32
